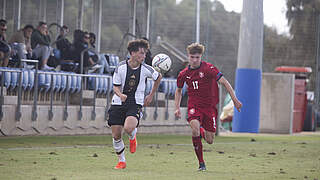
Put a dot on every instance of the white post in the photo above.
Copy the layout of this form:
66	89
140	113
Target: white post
43	11
134	14
249	73
80	15
17	14
148	19
198	22
4	9
60	11
97	22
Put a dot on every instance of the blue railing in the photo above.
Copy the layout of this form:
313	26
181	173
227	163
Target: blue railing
66	83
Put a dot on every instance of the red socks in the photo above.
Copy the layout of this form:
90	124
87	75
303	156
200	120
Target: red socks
202	135
197	144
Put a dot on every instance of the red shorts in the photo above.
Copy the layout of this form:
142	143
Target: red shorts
207	117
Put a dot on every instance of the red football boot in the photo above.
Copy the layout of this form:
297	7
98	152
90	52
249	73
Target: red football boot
120	165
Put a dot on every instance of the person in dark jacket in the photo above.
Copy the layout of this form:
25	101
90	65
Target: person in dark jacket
63	44
101	57
81	42
40	44
4	47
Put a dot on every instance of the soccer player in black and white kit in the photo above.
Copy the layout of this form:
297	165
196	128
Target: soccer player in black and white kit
129	84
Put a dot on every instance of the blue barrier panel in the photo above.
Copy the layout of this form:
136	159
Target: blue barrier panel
7	79
63	83
42	81
248	85
79	81
58	83
74	83
105	85
14	78
48	82
110	87
31	79
101	85
173	87
166	87
69	79
25	79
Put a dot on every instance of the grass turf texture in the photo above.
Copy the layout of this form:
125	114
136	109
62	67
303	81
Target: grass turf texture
161	157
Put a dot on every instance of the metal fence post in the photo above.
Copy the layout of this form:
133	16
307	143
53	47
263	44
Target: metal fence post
106	116
18	111
167	102
155	114
1	95
35	98
51	99
81	100
93	112
65	112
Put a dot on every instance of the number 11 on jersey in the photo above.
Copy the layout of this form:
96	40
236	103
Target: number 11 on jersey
195	84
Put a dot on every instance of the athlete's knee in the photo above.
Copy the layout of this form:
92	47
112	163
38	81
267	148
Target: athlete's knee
128	129
195	132
209	141
209	137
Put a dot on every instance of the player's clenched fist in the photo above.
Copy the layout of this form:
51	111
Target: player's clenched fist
177	113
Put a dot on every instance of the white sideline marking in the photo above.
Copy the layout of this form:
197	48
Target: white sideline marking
109	145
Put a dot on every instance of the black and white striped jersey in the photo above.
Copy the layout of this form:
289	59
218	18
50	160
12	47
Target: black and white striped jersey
132	82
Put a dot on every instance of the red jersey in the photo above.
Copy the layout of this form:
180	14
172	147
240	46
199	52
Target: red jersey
203	91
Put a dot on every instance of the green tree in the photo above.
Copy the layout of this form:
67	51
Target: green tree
302	18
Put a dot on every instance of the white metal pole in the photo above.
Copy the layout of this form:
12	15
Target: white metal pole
60	12
4	9
17	14
80	15
43	11
148	19
198	22
134	16
97	23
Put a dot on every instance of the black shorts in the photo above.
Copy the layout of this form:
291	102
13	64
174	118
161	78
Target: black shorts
119	113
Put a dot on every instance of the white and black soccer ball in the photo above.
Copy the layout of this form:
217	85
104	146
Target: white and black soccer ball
161	63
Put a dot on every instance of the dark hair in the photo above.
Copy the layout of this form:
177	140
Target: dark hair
63	27
92	35
134	45
42	23
3	22
145	38
78	35
28	26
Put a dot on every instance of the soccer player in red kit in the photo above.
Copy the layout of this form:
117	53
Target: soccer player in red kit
203	95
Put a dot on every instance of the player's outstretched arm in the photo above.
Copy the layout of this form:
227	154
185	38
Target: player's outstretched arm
230	90
149	97
177	101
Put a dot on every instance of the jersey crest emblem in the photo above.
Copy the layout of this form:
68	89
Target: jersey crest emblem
192	111
201	74
132	82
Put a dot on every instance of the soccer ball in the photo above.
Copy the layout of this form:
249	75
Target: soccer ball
161	63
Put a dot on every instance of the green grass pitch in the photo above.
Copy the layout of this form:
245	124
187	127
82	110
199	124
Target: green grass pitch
234	157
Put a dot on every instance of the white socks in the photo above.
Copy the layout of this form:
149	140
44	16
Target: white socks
118	145
133	134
